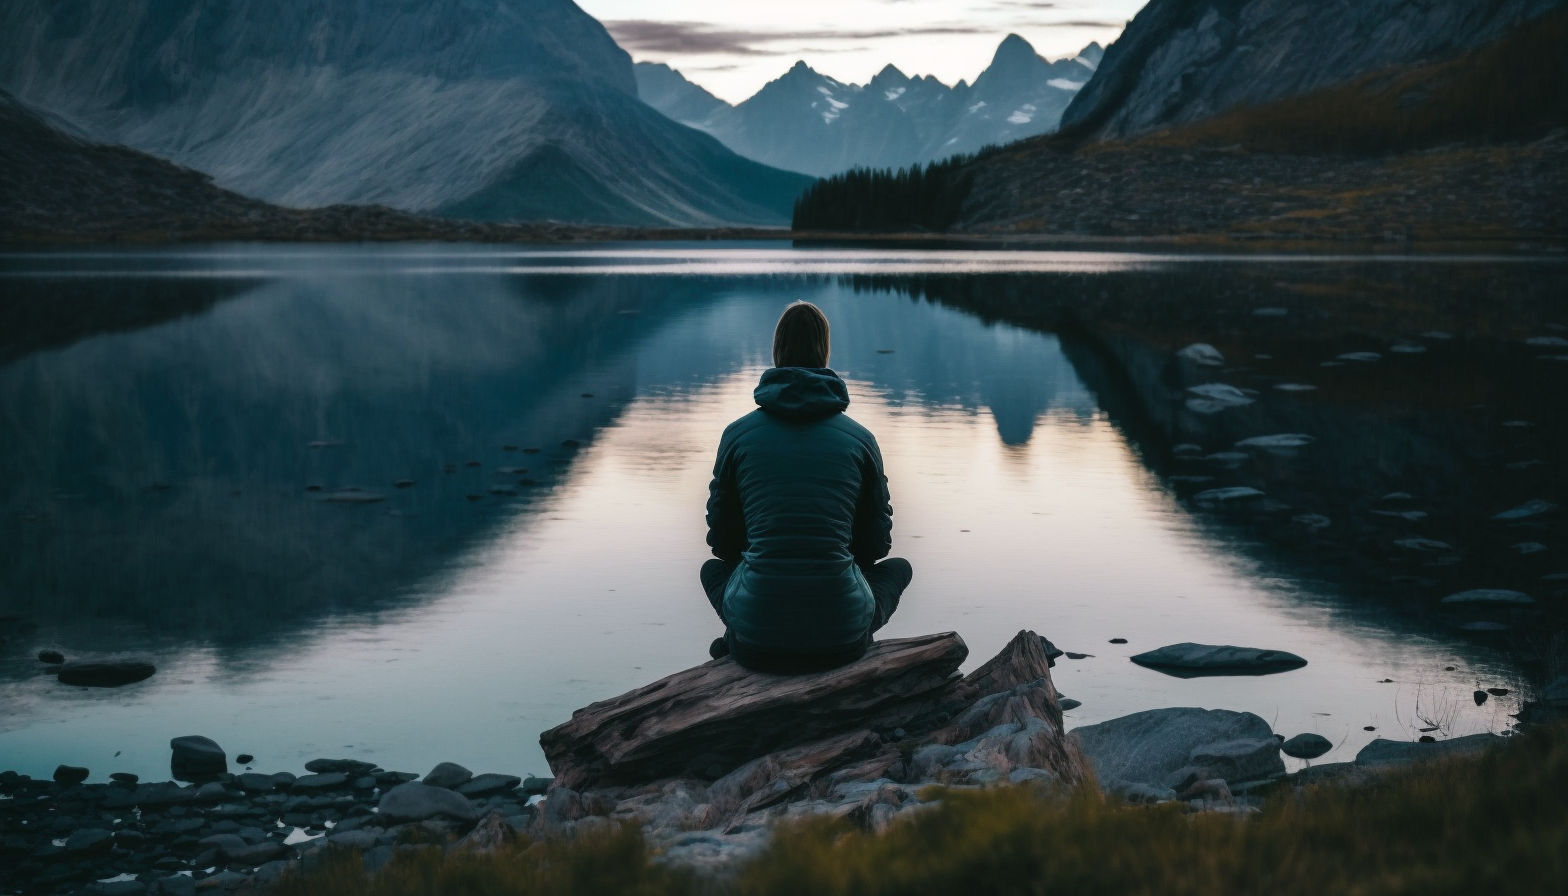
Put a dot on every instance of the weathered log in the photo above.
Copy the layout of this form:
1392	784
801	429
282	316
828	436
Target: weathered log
706	721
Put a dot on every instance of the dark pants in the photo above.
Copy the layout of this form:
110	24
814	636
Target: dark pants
887	579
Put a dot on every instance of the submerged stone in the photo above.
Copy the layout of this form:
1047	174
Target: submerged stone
1489	596
1190	660
106	674
1306	746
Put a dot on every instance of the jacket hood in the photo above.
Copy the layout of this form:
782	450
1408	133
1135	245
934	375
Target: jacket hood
801	393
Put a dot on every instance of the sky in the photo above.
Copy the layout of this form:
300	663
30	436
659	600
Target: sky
733	47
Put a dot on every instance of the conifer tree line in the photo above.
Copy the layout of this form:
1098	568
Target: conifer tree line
920	197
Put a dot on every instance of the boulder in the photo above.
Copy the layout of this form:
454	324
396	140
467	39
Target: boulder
449	775
105	673
1383	753
196	757
1306	746
1202	354
321	783
1489	596
70	774
1170	748
51	657
89	841
340	766
1188	660
417	802
488	785
706	721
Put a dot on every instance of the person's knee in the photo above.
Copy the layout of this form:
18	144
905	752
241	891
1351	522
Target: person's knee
901	568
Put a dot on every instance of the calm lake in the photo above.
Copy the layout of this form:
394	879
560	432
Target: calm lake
414	504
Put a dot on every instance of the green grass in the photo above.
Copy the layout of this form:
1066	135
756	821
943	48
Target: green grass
1489	826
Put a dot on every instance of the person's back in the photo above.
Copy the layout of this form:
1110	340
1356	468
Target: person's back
798	516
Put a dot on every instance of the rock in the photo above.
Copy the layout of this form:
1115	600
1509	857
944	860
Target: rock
115	888
491	834
1188	660
1118	641
487	785
52	657
123	777
1529	547
1408	348
252	782
70	774
1480	697
449	775
259	854
1068	704
1164	747
1215	397
1497	692
1383	753
88	841
1484	627
1187	449
354	496
1423	545
1285	441
706	721
1202	354
1361	357
105	673
534	786
197	757
223	880
1306	746
360	840
1489	596
1527	510
1226	495
1295	387
417	802
311	784
244	759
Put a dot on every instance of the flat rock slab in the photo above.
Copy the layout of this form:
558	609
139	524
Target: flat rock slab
1190	660
1164	747
708	720
105	673
417	802
1382	752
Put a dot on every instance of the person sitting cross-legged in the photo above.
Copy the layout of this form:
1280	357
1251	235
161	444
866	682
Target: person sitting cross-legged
799	518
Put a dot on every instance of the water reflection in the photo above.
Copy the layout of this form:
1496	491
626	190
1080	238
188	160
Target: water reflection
159	468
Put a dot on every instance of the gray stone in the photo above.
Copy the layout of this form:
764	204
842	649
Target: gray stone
1202	354
449	775
105	673
1307	746
534	786
1188	660
1525	511
224	843
89	841
175	885
488	785
1489	596
253	782
258	854
223	880
70	774
1383	753
416	802
52	657
197	757
343	766
360	840
1153	746
311	784
1227	495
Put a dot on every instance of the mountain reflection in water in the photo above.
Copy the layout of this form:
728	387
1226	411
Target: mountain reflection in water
168	415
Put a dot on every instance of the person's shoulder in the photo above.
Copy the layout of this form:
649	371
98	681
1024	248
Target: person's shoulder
746	423
850	426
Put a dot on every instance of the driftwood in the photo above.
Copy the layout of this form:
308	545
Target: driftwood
706	721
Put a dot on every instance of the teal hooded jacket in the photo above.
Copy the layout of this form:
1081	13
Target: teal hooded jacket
798	502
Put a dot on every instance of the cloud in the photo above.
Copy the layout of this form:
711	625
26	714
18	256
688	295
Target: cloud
700	38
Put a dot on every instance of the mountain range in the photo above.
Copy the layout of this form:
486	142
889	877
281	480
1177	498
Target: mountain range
1181	61
482	109
809	122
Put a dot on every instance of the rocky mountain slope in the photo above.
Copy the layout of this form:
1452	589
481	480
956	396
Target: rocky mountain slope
806	121
501	109
1181	61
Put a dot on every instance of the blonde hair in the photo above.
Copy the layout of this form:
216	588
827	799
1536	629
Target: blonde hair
801	337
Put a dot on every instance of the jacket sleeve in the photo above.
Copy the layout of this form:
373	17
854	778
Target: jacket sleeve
872	537
726	523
